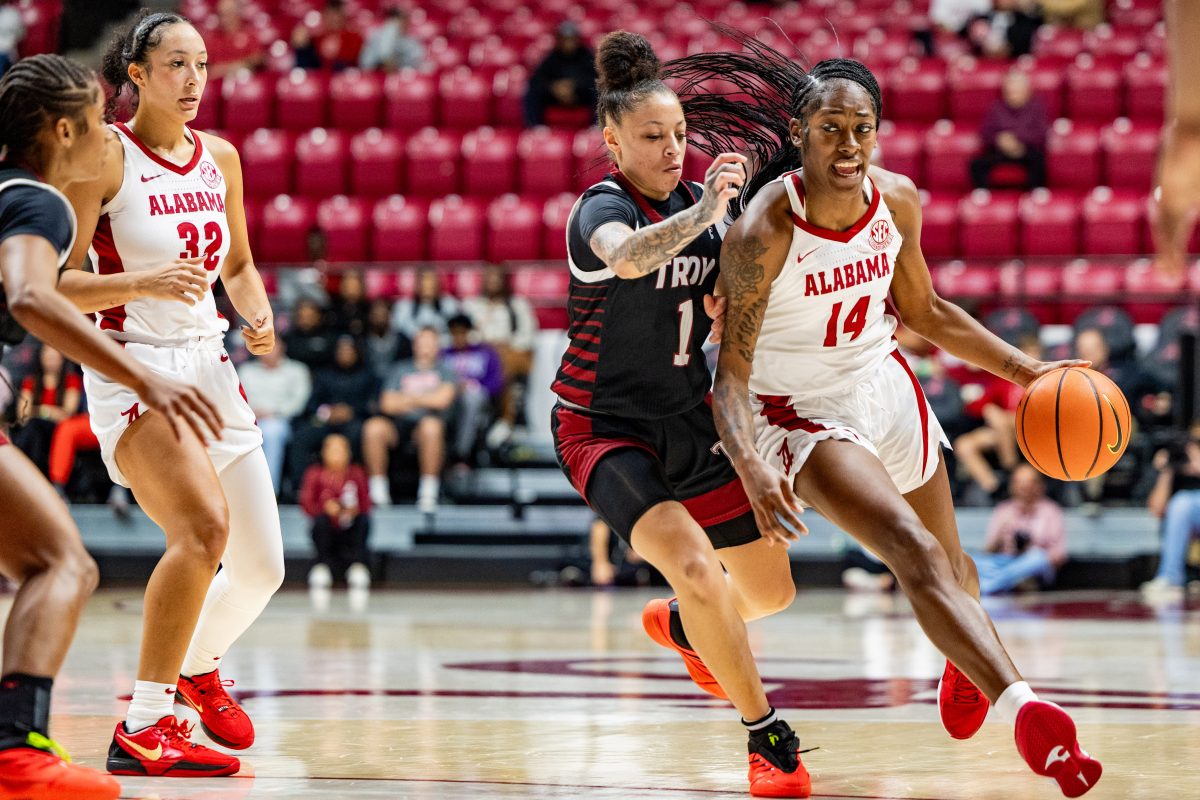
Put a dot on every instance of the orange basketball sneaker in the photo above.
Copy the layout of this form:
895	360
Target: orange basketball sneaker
963	707
1046	739
164	750
656	619
222	719
775	766
42	771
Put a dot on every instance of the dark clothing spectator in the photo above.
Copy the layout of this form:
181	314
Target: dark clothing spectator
49	395
308	340
334	47
566	78
480	375
389	47
383	344
1014	132
350	306
1006	31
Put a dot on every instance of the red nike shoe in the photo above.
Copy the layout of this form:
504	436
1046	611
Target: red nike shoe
31	773
221	718
963	707
656	619
165	750
1046	739
775	766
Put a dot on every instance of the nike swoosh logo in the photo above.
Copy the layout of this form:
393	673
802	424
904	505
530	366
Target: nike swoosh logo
1115	448
1058	754
152	177
149	755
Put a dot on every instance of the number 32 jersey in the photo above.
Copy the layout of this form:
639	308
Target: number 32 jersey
827	326
163	212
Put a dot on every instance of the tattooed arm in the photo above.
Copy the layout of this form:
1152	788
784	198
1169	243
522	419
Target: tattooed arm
941	322
751	258
633	254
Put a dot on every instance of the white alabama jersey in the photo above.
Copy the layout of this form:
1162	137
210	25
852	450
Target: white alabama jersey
826	326
163	211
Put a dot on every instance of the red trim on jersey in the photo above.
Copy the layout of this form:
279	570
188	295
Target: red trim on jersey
640	199
572	394
580	450
720	505
780	413
922	407
3	440
837	236
579	373
197	154
108	262
586	355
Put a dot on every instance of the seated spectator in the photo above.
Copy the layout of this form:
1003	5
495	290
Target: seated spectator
343	397
334	495
389	47
335	46
348	312
51	393
12	31
1014	132
566	78
949	16
308	339
384	345
304	48
508	324
277	388
415	402
480	384
233	46
1026	537
1148	398
428	309
1083	14
1176	501
1006	31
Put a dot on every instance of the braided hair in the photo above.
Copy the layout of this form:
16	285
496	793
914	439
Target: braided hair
627	71
132	46
769	90
37	91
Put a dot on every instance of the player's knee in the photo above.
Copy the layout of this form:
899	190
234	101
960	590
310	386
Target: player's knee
774	597
698	578
207	534
75	568
915	555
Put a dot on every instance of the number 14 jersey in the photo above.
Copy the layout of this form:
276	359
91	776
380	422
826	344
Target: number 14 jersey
827	325
162	212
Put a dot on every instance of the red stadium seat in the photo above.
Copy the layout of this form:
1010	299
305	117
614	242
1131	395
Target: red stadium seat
492	53
1049	223
1130	153
959	281
410	100
1046	80
900	149
989	225
344	221
1112	222
508	92
1056	40
489	162
514	229
208	113
321	166
1145	86
444	54
253	208
1150	294
1033	286
302	97
546	161
355	100
949	149
592	162
541	285
916	91
1093	89
267	157
455	229
1073	155
466	99
974	86
939	225
1121	42
1087	284
376	161
432	159
555	214
286	222
248	102
399	228
464	281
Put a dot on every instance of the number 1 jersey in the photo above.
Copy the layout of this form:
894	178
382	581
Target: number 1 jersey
163	212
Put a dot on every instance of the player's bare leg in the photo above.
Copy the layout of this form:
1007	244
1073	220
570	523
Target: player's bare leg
760	578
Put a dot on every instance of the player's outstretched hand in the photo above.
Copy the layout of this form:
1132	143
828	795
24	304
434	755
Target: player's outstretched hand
714	306
183	405
1049	366
184	281
260	337
1177	201
722	183
774	503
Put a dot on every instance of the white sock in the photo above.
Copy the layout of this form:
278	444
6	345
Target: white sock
429	486
378	486
151	702
199	662
1011	700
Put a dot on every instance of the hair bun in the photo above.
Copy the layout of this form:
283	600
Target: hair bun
624	60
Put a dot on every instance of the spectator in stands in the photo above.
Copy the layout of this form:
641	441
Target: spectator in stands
480	384
508	324
343	397
428	309
1014	132
308	340
334	495
335	47
566	78
277	388
949	16
1006	31
416	399
49	395
348	313
1026	537
233	46
1176	501
389	47
1148	398
12	31
384	344
1085	14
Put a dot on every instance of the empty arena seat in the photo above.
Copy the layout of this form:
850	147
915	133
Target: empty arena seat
344	222
989	225
949	149
555	214
591	158
466	99
916	91
508	95
1058	40
546	161
1145	86
267	157
1122	42
398	229
1033	286
464	281
514	229
253	206
410	100
301	97
286	222
376	163
939	225
1150	294
974	86
1130	153
1046	81
1086	283
1073	154
456	229
542	285
321	163
248	102
208	113
355	100
432	159
1093	89
1049	223
957	280
489	162
1112	222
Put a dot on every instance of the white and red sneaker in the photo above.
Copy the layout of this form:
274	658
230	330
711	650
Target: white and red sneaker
221	718
165	750
1046	739
962	706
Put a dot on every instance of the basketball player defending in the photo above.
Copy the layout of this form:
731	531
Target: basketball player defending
52	133
164	222
814	401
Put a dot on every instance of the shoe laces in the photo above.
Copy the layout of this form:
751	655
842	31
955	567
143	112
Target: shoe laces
217	688
178	734
778	745
41	742
962	690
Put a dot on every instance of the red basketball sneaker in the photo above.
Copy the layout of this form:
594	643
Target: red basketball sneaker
221	718
775	766
165	750
656	619
1045	737
962	705
45	773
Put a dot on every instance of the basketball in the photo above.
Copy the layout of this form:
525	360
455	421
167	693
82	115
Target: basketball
1073	424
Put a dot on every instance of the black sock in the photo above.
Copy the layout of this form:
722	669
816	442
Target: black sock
24	707
677	634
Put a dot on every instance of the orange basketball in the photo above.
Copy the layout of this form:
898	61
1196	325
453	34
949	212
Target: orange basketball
1073	424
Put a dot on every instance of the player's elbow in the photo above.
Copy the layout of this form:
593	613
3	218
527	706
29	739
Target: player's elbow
27	304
